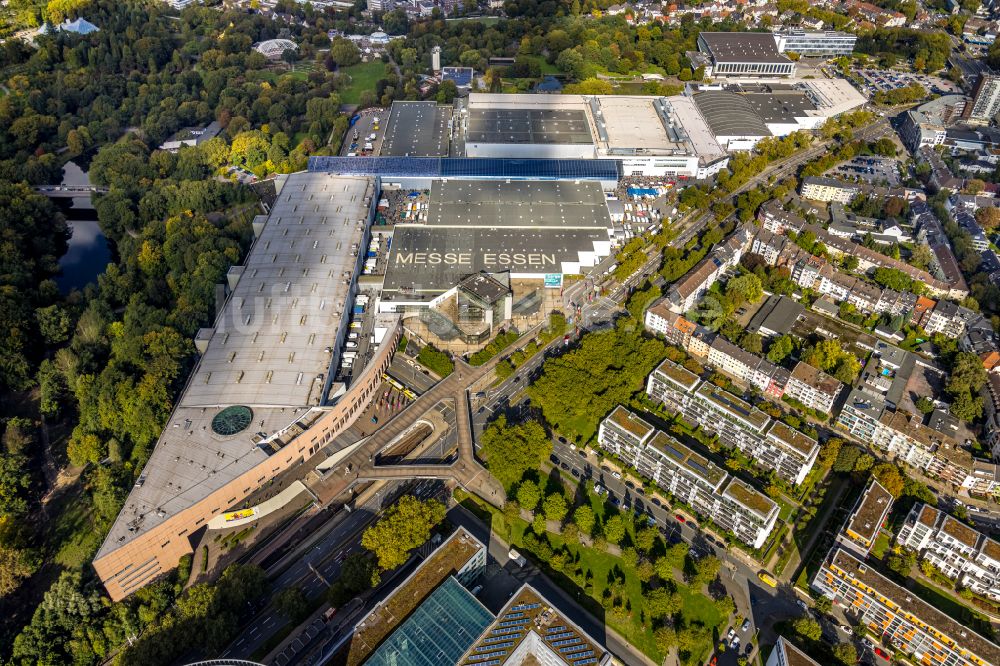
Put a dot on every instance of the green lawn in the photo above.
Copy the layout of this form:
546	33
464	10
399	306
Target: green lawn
881	544
363	77
635	627
72	533
543	64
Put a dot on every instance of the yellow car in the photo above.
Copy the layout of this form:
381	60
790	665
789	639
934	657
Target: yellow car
768	578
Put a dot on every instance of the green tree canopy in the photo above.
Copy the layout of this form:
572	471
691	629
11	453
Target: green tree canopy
406	525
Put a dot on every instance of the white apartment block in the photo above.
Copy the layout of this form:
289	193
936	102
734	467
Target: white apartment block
902	436
961	553
818	188
769	443
689	477
786	654
866	520
813	387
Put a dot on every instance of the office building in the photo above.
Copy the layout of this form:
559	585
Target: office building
688	476
959	552
815	43
898	616
430	618
531	630
767	442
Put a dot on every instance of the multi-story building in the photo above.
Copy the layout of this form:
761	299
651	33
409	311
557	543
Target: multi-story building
813	388
985	99
817	43
744	54
900	435
768	245
531	629
432	617
866	520
818	188
687	291
786	654
690	477
959	552
777	220
943	318
660	319
899	617
739	425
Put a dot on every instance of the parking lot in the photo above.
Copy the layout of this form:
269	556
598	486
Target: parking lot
889	79
357	136
870	169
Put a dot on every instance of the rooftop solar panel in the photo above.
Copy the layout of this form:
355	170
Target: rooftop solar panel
462	76
469	167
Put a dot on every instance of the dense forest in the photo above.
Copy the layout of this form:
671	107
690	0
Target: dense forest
88	378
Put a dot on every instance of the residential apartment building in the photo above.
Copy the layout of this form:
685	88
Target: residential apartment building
959	552
690	477
776	219
769	443
899	617
814	273
813	388
686	292
866	520
903	437
786	654
819	188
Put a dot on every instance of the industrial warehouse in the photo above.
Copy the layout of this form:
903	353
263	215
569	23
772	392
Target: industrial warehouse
472	223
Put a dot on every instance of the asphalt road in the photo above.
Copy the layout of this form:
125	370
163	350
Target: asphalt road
309	568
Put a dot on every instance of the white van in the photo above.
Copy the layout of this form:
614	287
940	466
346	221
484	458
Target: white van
351	344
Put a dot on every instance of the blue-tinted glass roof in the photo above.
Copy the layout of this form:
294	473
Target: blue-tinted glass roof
462	76
469	167
438	632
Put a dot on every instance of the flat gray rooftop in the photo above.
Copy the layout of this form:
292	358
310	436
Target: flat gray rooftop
417	129
780	107
435	259
267	352
530	205
755	47
270	340
730	114
542	126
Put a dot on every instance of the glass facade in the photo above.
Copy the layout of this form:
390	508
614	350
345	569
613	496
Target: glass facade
438	632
